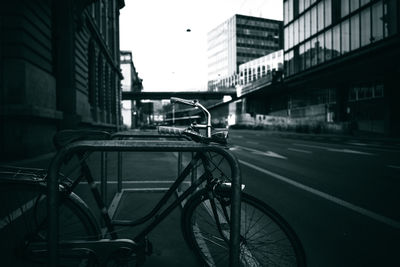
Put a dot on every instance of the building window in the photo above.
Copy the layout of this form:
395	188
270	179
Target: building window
296	32
355	32
328	12
290	10
336	41
286	9
377	23
328	44
321	48
291	62
286	41
366	27
286	65
389	9
378	90
320	16
306	4
345	36
301	57
344	11
307	22
363	2
354	4
314	51
290	36
301	29
314	20
301	6
307	57
353	93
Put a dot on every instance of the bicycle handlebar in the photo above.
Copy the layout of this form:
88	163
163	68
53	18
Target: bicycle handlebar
170	130
217	137
195	103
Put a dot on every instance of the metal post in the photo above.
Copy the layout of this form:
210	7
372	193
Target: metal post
103	179
194	172
119	172
179	168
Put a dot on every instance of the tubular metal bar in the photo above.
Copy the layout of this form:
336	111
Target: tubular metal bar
103	178
131	134
147	135
119	172
141	146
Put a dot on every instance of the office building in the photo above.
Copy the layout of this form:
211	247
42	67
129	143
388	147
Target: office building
236	41
260	67
342	63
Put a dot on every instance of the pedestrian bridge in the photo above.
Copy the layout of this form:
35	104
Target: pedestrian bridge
200	95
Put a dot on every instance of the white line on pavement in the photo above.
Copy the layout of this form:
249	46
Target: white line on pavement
252	142
394	166
328	197
342	150
299	150
357	144
263	153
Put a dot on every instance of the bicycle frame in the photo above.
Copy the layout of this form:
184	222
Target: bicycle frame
146	146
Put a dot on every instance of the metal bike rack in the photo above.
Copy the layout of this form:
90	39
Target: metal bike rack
139	146
143	135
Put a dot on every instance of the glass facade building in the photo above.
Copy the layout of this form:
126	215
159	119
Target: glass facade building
236	41
341	57
318	31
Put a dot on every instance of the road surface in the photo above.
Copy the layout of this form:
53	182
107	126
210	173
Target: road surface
340	195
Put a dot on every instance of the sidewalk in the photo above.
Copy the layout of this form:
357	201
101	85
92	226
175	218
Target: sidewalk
146	175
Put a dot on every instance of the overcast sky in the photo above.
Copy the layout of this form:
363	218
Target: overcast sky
165	55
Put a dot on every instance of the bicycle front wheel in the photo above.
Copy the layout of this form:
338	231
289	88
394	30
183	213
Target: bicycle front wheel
265	238
23	221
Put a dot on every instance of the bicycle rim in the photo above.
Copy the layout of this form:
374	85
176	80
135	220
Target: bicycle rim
23	221
265	238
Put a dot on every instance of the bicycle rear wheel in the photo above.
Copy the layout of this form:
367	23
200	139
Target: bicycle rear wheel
23	214
265	238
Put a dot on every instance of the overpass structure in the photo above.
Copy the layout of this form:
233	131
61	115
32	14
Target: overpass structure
200	95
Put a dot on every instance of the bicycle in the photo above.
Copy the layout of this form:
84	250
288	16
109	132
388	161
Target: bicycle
207	218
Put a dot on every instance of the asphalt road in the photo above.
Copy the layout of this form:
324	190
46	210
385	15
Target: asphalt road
341	195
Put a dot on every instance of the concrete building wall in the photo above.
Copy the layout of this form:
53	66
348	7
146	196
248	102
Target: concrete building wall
59	70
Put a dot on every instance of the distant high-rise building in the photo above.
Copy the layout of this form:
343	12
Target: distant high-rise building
236	41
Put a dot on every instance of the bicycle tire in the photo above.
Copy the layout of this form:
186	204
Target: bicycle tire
266	238
22	219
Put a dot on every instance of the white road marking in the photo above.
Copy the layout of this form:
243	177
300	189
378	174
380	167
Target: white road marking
357	144
342	150
338	201
394	166
252	142
263	153
299	150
